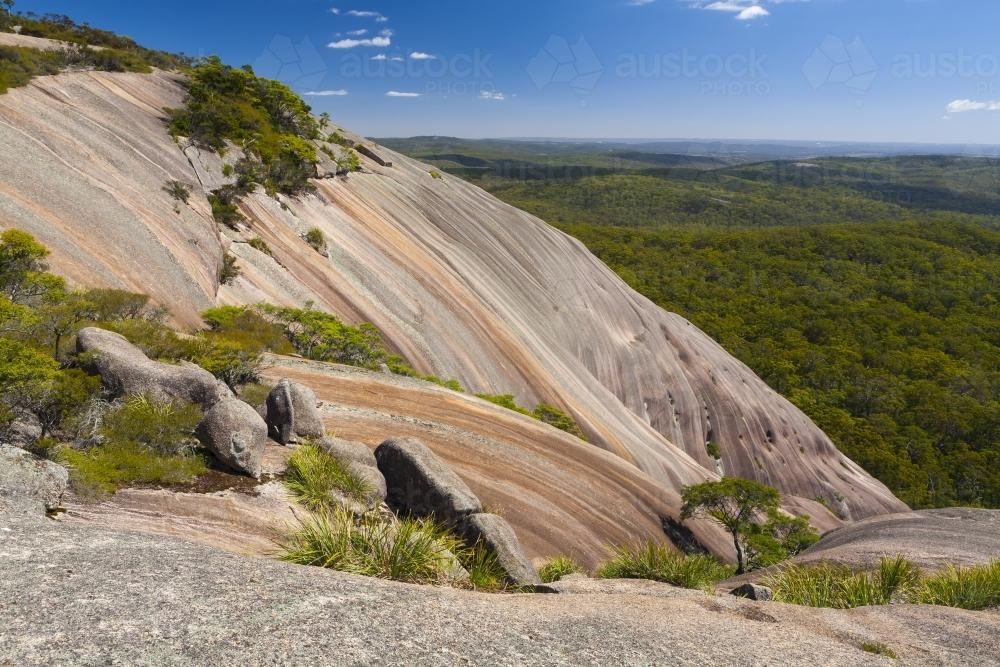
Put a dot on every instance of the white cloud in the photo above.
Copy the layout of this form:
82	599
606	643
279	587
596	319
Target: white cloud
420	55
354	43
326	93
751	13
396	93
380	56
398	59
492	96
962	106
358	33
639	3
743	10
334	11
364	14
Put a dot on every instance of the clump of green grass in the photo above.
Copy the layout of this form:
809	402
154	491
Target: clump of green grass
100	471
255	393
485	571
878	648
313	476
837	586
557	568
661	563
259	244
411	550
975	588
142	442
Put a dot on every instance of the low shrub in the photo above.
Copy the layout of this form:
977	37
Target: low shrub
164	428
99	471
259	244
224	210
557	568
255	394
411	550
178	190
878	648
230	269
659	562
316	240
313	476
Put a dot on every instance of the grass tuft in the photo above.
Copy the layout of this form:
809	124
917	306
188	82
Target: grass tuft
557	568
412	550
895	580
313	475
878	648
975	588
661	563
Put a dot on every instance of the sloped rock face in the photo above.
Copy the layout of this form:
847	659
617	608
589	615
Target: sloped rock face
461	284
181	600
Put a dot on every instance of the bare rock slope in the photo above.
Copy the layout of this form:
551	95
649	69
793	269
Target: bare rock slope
107	597
461	284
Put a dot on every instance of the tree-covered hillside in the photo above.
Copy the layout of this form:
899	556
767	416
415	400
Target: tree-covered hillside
867	291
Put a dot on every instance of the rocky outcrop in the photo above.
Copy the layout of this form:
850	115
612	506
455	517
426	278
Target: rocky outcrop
74	594
346	450
419	482
27	479
24	431
126	371
496	535
292	413
461	284
235	433
230	429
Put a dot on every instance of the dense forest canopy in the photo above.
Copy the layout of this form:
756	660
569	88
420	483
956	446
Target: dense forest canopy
867	291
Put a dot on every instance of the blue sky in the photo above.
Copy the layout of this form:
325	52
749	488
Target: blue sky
851	70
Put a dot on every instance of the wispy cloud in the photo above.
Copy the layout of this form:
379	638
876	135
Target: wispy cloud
367	14
379	41
963	106
492	96
639	3
420	55
326	93
396	93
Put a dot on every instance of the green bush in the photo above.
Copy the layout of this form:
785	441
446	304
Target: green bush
483	566
324	337
315	238
661	563
505	401
230	269
163	428
315	477
255	393
557	568
412	550
178	190
224	210
555	417
259	244
266	118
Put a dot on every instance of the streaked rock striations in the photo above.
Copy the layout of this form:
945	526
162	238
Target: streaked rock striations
461	284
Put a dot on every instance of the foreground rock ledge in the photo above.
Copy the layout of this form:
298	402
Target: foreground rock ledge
76	595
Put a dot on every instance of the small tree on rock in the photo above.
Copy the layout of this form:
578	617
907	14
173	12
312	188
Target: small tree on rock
738	504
